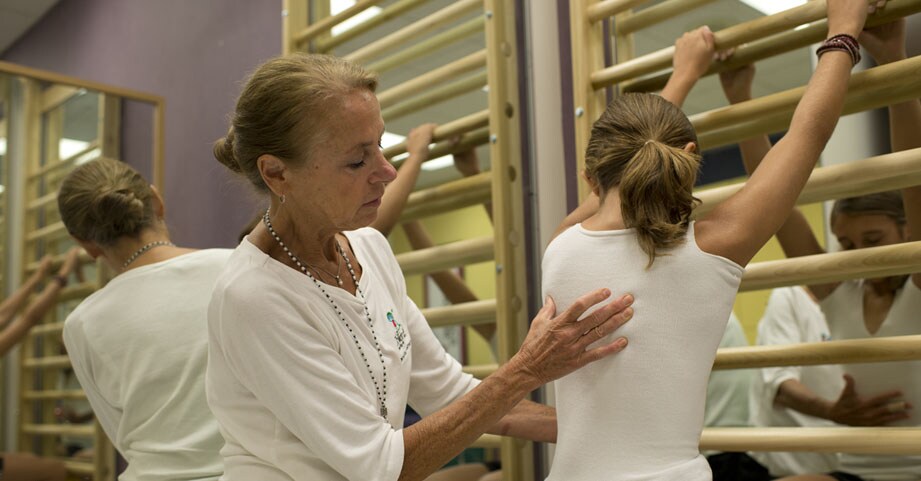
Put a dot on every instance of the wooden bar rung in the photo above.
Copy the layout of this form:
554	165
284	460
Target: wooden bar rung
420	27
609	8
466	313
324	25
435	96
851	351
83	258
46	362
51	328
656	14
46	169
78	430
473	190
454	254
474	61
897	170
427	46
56	229
870	262
389	12
488	441
42	201
858	440
446	131
54	395
79	468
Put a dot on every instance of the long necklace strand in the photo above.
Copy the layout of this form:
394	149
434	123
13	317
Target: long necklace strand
380	388
143	249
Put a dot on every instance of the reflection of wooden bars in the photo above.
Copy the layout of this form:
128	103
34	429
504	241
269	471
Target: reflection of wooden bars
425	25
898	440
54	394
391	11
656	14
870	262
880	86
49	328
79	468
446	131
429	45
436	96
459	253
439	75
881	349
46	362
467	313
77	430
52	230
68	162
453	195
897	170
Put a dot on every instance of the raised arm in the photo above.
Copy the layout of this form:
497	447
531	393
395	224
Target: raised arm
11	305
795	235
886	44
741	225
14	333
417	145
694	51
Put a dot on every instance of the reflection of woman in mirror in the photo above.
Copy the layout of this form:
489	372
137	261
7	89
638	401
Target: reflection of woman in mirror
22	466
139	345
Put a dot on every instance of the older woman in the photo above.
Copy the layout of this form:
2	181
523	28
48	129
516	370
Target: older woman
315	348
138	345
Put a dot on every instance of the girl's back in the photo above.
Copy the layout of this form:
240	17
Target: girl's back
639	416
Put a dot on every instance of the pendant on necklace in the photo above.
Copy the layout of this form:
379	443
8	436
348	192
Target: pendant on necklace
339	281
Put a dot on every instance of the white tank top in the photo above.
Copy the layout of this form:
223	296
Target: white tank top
638	415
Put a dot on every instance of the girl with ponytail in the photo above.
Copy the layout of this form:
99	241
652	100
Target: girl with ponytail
640	415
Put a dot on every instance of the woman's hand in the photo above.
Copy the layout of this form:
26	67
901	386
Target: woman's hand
418	140
848	16
557	346
737	83
694	51
885	43
852	410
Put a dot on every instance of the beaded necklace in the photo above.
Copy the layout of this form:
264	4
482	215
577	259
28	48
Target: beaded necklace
143	249
380	388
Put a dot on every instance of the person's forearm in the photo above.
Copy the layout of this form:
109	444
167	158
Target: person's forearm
12	304
437	438
796	396
678	87
32	315
529	420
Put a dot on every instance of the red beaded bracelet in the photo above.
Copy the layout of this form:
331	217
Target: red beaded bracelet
843	42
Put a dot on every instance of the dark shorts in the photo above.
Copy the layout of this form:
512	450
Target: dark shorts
737	466
842	476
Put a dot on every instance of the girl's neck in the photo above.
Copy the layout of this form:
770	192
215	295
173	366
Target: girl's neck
608	216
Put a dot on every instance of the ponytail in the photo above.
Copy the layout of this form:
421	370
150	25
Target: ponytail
656	195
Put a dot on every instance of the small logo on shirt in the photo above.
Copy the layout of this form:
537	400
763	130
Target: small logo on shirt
399	334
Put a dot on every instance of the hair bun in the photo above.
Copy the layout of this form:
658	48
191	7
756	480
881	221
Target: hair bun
223	152
118	212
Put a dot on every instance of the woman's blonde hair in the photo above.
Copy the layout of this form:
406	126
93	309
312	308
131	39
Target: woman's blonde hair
282	107
638	145
104	200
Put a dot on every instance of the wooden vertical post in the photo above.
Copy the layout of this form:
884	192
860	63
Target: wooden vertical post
587	57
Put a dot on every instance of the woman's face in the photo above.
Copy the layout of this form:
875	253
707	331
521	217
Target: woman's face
341	184
870	230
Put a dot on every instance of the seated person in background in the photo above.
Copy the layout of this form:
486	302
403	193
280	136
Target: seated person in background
874	393
139	345
778	393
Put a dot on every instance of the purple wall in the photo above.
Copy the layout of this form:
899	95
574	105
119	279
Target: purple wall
192	53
